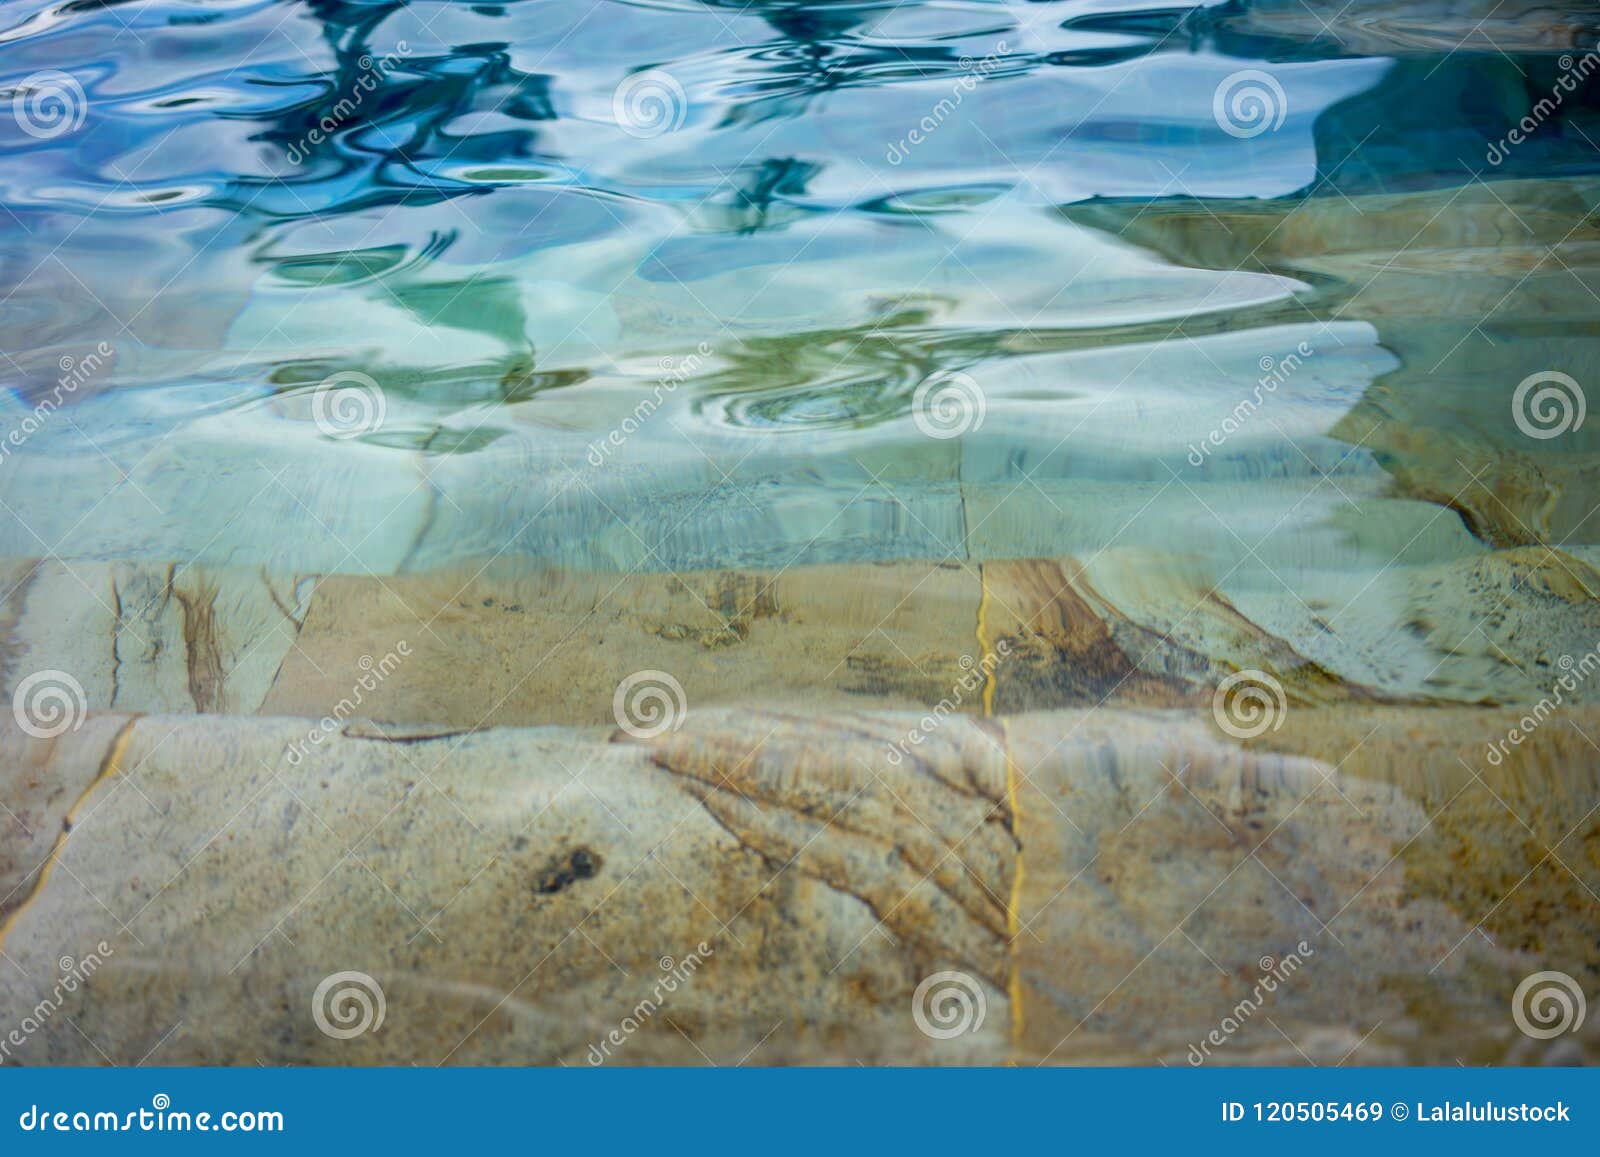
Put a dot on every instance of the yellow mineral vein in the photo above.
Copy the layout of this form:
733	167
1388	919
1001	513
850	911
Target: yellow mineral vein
108	768
1013	923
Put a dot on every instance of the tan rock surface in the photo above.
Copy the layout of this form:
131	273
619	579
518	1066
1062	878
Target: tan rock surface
1167	875
43	782
152	638
512	893
1129	626
1447	291
1109	883
1387	28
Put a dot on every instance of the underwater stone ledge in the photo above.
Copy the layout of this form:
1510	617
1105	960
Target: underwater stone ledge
1128	627
1112	884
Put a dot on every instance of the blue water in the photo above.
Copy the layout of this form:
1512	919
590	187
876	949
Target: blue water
385	286
1185	356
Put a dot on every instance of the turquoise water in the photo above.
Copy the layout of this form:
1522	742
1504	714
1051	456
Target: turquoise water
656	448
378	287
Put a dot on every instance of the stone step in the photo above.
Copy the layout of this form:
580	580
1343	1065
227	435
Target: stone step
1358	884
1130	626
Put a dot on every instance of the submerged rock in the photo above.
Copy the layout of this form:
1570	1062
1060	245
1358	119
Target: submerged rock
1057	887
1135	626
1388	28
1477	290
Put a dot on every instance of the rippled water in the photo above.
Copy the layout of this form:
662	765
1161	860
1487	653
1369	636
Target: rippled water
462	461
378	287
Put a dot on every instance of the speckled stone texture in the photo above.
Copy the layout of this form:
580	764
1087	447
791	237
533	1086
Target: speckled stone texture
1130	627
1113	884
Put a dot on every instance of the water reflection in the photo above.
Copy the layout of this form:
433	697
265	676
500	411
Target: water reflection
1055	200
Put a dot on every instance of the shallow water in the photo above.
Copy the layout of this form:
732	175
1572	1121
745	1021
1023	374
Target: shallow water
1240	292
1083	499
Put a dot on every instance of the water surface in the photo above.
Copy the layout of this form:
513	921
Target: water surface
1242	292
